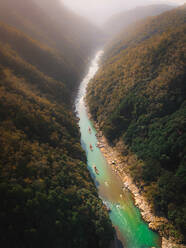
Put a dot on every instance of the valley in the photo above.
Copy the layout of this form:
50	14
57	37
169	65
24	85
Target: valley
92	142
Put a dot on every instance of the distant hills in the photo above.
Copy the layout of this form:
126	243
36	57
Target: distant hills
122	20
48	198
55	26
138	97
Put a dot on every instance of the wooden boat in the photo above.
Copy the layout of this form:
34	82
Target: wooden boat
96	170
89	130
91	147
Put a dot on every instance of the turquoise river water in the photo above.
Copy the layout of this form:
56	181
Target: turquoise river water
131	230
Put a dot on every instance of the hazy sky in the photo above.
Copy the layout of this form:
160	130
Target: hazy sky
100	10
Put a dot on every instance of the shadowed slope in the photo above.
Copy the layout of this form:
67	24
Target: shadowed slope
48	198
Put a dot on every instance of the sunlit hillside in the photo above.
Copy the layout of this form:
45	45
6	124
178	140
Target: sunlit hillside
138	96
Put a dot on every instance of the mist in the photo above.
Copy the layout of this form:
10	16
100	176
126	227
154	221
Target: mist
99	11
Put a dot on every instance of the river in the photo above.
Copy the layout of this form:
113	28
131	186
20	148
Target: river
131	230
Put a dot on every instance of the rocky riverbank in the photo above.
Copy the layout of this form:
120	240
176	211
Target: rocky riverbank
120	165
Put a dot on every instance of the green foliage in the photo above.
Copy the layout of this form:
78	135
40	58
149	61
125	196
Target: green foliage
138	96
48	198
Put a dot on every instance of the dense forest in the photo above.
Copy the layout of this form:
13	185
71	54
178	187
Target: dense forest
48	198
118	22
139	96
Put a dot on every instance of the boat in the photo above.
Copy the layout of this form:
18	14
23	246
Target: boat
89	130
96	170
91	147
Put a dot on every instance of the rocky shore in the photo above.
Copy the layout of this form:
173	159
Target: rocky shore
120	166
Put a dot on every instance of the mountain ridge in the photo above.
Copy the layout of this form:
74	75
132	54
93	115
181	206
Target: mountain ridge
45	187
122	20
138	97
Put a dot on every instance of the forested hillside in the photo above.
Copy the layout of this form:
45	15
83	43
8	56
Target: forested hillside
139	97
122	20
53	25
48	198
